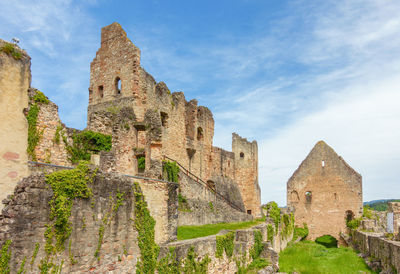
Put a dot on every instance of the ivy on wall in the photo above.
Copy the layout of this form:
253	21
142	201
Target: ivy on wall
225	242
172	171
34	134
145	224
5	256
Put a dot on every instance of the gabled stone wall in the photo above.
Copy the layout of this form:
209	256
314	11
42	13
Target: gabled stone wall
323	192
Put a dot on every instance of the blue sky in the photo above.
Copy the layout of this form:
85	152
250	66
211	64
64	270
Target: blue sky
285	73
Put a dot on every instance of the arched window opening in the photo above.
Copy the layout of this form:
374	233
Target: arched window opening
241	155
164	119
308	196
100	91
249	211
200	135
118	85
349	215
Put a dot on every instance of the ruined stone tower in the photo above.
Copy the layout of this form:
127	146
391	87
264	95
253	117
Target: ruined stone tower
15	76
147	120
324	192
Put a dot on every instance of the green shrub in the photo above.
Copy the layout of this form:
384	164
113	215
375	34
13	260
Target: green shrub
274	212
353	224
85	143
39	97
257	264
10	49
327	241
300	232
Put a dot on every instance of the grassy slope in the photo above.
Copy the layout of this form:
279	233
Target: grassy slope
310	257
190	232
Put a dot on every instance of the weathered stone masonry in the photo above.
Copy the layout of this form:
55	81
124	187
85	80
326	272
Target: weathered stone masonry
324	191
15	78
161	123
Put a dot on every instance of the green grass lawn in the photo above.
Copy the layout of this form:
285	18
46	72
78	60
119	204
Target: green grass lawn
194	231
310	257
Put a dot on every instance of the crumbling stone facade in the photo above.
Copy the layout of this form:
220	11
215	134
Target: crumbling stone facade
324	192
146	119
15	78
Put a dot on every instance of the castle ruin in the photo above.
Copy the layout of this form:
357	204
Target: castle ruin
325	192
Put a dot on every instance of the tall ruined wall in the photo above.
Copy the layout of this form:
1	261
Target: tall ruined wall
246	171
27	214
50	147
164	123
324	191
15	77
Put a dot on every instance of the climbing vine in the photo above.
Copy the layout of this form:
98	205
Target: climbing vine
274	213
191	265
85	143
33	134
172	171
145	224
66	185
258	246
5	256
225	242
270	232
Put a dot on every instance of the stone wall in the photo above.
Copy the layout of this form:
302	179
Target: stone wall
15	78
205	207
323	192
243	243
246	167
382	253
26	215
50	147
163	124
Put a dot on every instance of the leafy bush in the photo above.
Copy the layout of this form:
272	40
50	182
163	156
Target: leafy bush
85	143
274	212
300	232
327	241
10	49
39	97
353	224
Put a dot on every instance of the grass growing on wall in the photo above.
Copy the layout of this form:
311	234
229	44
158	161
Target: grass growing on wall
310	257
194	231
11	50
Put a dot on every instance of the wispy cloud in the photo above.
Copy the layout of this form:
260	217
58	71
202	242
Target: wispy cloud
61	49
